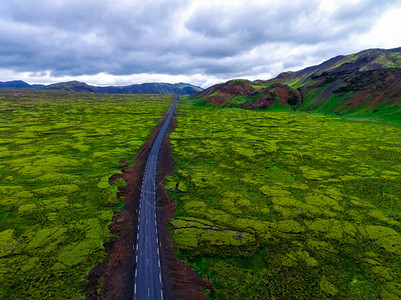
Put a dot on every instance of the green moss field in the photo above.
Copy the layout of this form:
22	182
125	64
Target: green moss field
57	153
287	205
271	204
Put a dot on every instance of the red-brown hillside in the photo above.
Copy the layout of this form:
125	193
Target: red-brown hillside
220	94
251	94
275	93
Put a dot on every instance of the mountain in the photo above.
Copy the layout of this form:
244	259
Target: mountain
72	86
19	84
144	88
365	82
367	60
245	93
153	88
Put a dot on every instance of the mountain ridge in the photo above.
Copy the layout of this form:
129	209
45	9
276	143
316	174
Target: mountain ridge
19	84
143	88
365	82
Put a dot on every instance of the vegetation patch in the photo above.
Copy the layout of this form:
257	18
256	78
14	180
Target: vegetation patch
282	204
58	151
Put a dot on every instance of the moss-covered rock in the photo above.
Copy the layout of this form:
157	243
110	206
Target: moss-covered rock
30	264
376	232
328	287
320	246
379	215
44	237
27	208
323	200
391	291
56	203
288	226
274	191
195	240
8	243
312	174
103	185
390	243
296	257
57	190
382	272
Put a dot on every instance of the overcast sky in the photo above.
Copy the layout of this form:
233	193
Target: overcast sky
122	42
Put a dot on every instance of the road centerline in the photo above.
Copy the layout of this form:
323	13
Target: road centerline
148	279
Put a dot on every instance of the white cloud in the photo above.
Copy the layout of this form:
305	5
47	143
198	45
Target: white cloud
386	33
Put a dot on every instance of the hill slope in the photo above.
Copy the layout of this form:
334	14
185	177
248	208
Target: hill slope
365	82
153	88
72	86
19	84
144	88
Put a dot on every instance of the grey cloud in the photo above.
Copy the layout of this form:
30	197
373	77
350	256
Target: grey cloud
362	10
298	22
78	37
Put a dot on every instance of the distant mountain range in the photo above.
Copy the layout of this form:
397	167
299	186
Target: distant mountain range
19	84
368	81
144	88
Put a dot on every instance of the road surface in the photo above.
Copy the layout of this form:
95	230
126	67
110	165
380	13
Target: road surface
148	278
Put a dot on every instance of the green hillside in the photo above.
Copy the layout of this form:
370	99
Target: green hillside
367	83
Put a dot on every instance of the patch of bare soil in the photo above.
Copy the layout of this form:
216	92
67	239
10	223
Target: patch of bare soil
114	277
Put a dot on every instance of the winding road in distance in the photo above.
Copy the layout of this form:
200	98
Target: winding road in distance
148	274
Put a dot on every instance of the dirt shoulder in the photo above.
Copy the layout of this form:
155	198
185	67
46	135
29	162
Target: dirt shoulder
180	281
114	277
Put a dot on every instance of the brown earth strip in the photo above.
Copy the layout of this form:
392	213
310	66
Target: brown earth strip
180	280
114	277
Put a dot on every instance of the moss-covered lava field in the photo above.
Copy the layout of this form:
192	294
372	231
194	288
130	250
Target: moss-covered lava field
288	205
270	204
58	151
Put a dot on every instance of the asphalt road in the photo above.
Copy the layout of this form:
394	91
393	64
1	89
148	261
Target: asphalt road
148	275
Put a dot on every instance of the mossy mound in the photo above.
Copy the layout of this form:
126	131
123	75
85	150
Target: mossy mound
8	243
199	237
